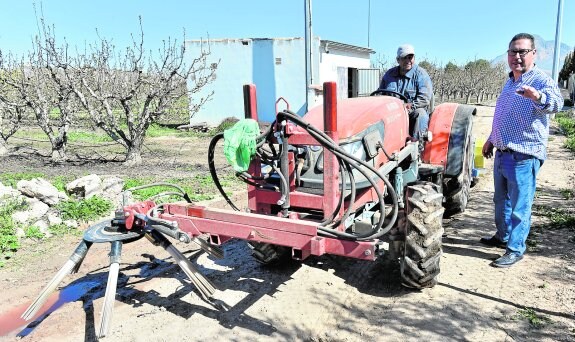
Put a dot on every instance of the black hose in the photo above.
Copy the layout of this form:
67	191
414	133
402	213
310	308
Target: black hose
342	169
212	168
164	194
284	171
329	144
285	185
182	192
352	196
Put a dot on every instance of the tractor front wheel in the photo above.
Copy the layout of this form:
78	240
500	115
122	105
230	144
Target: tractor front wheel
268	254
422	248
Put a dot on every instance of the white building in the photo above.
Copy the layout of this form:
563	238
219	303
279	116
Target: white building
277	67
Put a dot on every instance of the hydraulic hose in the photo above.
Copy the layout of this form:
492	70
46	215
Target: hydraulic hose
181	192
213	172
349	173
329	144
342	167
242	176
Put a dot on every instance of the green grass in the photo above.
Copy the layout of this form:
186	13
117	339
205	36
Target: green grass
34	134
156	130
60	182
84	210
88	137
9	242
34	232
567	125
558	217
535	320
12	178
198	188
567	193
62	229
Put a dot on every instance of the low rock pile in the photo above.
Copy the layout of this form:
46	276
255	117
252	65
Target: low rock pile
41	197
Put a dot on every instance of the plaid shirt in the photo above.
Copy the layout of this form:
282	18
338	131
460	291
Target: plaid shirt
521	124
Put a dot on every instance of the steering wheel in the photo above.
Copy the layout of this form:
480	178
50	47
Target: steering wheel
389	93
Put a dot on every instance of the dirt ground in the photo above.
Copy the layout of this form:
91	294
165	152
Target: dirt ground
322	299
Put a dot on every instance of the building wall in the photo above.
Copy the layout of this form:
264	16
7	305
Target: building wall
275	66
337	58
334	67
289	70
235	68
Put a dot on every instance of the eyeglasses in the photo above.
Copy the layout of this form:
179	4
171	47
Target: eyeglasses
407	57
521	53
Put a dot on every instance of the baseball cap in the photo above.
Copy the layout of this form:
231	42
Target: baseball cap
405	50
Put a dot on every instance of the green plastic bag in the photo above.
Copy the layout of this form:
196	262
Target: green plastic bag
240	143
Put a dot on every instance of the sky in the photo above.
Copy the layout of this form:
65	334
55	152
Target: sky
441	30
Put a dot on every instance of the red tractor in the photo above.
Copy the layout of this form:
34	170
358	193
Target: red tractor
345	179
350	169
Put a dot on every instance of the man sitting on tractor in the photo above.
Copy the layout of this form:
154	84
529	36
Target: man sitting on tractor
413	82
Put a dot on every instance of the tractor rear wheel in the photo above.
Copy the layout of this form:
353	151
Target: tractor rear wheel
422	248
456	189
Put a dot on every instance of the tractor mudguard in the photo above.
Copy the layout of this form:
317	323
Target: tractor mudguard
450	124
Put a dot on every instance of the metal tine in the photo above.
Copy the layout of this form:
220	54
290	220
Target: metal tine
68	267
214	251
81	260
110	296
204	286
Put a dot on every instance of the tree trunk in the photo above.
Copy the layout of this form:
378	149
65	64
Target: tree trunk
134	153
468	98
133	157
59	145
58	155
3	148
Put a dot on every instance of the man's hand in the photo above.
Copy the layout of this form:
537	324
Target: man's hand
408	106
529	92
487	150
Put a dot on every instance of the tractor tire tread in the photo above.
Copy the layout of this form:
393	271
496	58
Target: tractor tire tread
422	247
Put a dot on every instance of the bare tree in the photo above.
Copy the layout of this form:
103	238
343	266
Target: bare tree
32	80
382	62
11	114
125	92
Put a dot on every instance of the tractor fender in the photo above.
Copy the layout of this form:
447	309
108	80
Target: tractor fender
450	125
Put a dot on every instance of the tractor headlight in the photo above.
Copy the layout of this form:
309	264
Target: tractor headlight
356	149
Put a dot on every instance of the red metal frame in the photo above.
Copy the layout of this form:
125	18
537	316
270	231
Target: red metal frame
300	235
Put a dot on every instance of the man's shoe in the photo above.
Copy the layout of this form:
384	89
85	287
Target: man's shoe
507	260
493	242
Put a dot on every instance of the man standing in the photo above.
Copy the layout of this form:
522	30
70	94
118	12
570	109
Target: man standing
519	133
413	82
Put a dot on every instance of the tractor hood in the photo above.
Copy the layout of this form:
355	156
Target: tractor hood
355	115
